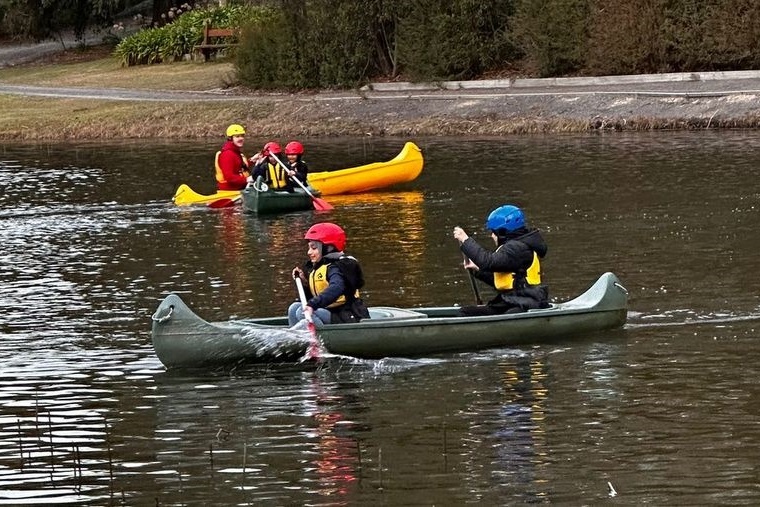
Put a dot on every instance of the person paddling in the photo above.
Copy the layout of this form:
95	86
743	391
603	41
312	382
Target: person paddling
332	280
267	168
298	167
513	269
231	166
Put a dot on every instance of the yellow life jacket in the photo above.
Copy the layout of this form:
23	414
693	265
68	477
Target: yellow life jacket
505	281
220	174
318	283
278	178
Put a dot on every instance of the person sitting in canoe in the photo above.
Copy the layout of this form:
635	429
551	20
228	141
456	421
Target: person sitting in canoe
332	280
232	168
266	166
295	162
513	269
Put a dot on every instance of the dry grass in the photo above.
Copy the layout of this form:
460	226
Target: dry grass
103	71
44	118
35	118
53	118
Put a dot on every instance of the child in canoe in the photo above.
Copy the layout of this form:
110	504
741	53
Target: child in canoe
332	280
276	172
294	154
513	269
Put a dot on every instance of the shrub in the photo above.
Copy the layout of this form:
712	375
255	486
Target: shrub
713	34
627	37
632	37
552	34
170	42
308	45
263	48
454	39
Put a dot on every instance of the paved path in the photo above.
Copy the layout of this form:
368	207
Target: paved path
704	84
15	54
682	82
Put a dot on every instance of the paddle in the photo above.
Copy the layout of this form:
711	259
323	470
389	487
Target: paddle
313	352
319	204
473	284
224	202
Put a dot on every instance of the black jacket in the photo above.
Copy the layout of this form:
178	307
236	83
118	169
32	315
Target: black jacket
515	255
345	278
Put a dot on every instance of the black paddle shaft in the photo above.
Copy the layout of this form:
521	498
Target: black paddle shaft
473	284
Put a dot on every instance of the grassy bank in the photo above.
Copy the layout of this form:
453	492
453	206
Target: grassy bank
94	68
283	115
37	118
276	116
50	118
67	118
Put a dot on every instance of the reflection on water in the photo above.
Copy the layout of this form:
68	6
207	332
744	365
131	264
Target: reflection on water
521	454
510	431
664	409
338	460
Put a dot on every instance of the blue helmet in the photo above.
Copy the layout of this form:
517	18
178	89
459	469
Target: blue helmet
506	217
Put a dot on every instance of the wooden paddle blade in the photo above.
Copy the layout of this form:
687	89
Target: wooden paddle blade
223	203
321	204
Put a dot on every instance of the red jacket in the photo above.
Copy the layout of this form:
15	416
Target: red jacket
231	168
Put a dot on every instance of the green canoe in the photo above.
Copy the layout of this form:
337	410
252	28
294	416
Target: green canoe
181	339
261	200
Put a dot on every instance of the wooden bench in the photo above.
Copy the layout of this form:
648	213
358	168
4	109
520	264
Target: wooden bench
211	43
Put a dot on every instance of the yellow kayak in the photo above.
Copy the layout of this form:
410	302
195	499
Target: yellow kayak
404	167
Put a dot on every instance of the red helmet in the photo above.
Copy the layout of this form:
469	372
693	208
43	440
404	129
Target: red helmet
327	233
271	147
294	148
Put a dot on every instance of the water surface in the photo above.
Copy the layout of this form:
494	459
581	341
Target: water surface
663	411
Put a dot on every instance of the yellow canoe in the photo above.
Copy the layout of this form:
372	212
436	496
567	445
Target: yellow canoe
404	167
185	196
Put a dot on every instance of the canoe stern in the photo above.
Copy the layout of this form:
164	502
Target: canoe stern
439	330
271	202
